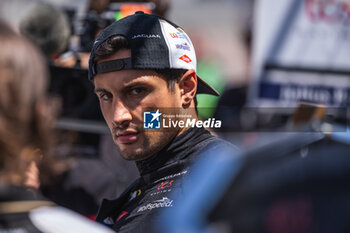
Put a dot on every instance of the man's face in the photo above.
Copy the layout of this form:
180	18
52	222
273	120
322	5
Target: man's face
124	95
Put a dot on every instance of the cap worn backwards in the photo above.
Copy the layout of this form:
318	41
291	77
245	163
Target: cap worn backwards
155	43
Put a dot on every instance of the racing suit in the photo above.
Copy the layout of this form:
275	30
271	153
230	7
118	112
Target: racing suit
23	211
137	209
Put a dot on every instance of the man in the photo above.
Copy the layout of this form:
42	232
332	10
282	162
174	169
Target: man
141	63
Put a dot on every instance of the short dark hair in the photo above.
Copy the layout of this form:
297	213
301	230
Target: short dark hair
116	43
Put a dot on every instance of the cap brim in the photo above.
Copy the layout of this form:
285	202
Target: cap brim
204	88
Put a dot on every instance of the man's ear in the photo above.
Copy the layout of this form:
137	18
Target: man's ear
188	87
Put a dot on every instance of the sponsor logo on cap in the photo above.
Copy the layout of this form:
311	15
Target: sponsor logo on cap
147	36
183	46
185	58
177	35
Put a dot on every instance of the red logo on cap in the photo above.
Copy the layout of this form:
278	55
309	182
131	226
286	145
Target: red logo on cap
185	58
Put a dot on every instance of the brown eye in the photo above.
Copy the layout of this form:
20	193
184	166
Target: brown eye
137	91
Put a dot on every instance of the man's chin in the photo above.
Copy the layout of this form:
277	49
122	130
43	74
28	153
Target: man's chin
137	153
130	151
132	155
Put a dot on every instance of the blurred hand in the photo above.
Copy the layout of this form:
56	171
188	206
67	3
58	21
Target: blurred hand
32	176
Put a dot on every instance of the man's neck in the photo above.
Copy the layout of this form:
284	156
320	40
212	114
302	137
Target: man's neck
179	148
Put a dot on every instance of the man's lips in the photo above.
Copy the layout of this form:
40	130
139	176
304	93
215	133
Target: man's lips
127	137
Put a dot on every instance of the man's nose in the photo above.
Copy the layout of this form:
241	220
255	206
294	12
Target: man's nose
121	114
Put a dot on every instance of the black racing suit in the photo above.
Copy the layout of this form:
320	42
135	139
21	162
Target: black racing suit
136	210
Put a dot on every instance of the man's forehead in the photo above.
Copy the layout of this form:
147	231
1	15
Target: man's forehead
125	78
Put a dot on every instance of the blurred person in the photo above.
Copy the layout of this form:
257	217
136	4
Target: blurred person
139	63
26	117
48	27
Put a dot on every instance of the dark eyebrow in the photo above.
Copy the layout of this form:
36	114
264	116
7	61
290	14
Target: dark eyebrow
131	85
127	86
100	90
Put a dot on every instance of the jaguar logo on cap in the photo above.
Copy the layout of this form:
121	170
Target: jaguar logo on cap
149	36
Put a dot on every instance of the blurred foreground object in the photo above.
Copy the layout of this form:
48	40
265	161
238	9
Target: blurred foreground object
296	183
